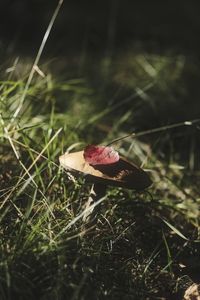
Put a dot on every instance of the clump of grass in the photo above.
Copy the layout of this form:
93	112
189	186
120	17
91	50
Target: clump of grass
140	241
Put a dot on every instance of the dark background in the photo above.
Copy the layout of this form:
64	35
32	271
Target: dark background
97	23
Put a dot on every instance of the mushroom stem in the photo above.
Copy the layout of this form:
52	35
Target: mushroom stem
97	192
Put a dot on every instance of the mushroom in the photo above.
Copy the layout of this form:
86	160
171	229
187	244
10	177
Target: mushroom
121	173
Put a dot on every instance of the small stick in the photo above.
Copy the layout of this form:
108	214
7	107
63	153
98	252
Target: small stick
155	130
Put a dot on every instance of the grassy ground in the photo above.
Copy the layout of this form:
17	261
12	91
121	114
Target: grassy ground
143	245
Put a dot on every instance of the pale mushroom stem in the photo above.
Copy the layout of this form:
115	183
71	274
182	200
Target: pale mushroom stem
97	192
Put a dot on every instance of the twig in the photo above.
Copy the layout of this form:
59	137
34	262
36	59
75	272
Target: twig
155	130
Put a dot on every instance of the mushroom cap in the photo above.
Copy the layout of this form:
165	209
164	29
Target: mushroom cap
121	173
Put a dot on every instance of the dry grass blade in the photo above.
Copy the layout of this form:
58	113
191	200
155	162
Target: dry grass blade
30	167
37	59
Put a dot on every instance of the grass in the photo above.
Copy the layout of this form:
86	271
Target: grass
143	245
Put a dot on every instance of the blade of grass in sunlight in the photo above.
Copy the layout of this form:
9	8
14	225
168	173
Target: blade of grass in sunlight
169	256
30	167
37	59
175	230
